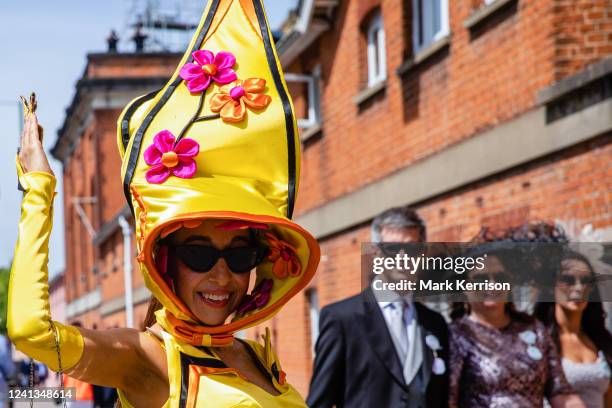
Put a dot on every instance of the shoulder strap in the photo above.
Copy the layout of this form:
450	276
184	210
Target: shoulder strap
265	357
255	357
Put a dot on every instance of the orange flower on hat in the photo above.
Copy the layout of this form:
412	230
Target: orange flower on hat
233	99
284	258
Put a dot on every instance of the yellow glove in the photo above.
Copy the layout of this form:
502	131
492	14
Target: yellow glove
29	321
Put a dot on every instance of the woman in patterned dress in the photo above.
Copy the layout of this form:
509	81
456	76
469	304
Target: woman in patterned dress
500	357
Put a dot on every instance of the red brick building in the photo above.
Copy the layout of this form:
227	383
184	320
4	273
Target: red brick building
476	112
94	202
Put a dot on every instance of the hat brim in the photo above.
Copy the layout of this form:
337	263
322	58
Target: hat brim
192	205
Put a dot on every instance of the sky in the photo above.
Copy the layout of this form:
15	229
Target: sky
43	48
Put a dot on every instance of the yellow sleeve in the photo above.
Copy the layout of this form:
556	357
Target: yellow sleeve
29	322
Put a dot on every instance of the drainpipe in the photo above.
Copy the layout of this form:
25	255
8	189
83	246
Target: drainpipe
127	270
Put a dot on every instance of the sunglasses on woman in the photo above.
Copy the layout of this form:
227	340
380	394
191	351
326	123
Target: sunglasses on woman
202	258
571	280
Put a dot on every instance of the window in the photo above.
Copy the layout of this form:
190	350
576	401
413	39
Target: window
313	308
313	110
430	22
487	2
377	56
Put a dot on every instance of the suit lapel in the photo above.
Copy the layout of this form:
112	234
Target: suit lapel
427	352
377	333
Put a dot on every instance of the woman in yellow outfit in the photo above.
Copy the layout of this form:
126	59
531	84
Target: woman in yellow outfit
210	170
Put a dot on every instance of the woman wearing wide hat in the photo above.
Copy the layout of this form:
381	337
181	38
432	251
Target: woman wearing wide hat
210	169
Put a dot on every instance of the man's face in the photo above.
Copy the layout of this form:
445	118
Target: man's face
404	236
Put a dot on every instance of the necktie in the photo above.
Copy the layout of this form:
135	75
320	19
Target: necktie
405	329
414	355
399	312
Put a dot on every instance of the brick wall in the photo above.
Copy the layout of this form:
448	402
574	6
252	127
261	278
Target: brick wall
110	190
486	76
131	65
79	182
583	34
93	169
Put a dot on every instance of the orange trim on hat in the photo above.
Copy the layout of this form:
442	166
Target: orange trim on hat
191	330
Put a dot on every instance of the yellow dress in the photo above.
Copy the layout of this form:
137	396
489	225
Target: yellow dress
198	378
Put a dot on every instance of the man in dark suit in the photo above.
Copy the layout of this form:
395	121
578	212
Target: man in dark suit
374	351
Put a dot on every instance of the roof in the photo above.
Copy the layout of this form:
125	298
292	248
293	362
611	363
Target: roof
88	87
310	19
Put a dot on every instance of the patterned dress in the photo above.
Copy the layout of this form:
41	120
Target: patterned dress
516	366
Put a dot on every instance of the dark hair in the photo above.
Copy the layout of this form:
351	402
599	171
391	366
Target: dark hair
150	319
540	231
398	217
593	317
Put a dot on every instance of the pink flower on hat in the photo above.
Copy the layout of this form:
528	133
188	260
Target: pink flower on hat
208	67
166	159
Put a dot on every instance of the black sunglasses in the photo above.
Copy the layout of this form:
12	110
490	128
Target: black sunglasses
571	280
409	248
201	258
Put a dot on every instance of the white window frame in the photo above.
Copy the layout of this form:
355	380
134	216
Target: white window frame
377	54
313	118
314	310
429	14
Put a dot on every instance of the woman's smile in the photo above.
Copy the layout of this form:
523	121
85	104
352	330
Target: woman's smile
215	298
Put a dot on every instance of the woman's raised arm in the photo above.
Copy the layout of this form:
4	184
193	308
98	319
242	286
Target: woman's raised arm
101	357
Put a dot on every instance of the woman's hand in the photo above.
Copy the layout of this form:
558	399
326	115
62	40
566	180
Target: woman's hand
32	154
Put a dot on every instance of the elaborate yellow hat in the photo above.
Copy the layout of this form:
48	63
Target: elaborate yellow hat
219	141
